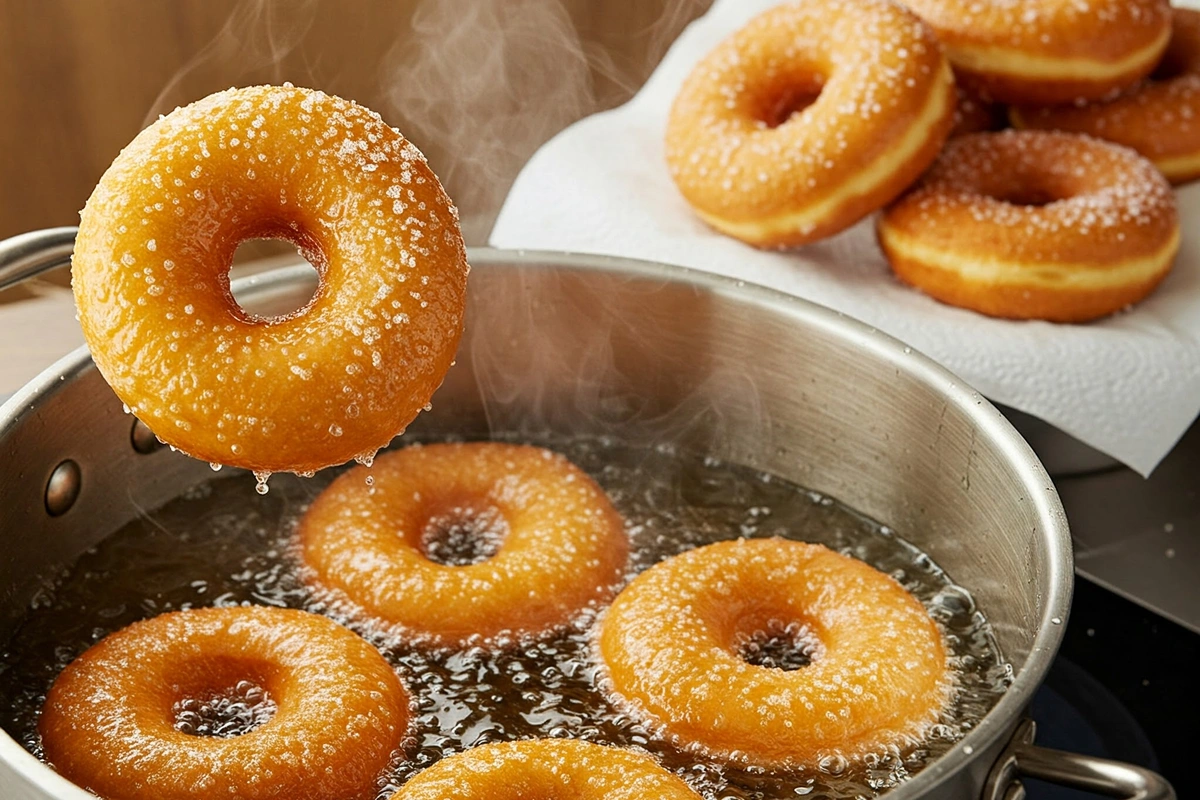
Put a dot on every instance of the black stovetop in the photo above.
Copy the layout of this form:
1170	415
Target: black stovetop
1123	687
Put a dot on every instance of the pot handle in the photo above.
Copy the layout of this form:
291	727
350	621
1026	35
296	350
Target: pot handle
29	254
1022	758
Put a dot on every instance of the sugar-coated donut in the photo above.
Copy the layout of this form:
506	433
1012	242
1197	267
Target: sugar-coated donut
1049	51
546	768
1160	117
111	722
556	543
335	379
670	644
1035	225
880	98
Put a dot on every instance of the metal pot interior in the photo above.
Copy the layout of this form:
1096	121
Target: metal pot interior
579	344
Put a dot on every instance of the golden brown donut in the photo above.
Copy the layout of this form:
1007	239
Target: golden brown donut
1034	225
328	382
809	118
112	719
1160	117
878	676
557	544
546	769
1049	51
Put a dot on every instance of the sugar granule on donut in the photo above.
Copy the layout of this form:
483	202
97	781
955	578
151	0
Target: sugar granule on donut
333	380
809	118
1159	117
1049	51
132	718
1035	225
547	768
549	544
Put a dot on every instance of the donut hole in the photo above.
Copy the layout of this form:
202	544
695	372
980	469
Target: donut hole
778	645
1031	196
233	711
257	253
781	102
463	535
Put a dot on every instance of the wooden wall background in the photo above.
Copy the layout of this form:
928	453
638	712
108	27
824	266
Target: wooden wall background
477	84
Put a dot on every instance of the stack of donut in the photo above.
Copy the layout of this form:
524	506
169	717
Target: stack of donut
820	112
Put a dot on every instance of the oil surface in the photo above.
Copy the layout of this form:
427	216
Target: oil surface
223	544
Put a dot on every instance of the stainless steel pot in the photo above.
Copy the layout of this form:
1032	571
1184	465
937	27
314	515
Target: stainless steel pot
568	343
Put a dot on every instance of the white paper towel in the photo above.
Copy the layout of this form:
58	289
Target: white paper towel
1128	386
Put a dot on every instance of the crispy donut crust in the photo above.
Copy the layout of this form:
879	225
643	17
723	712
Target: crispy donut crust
1035	225
314	388
1049	51
669	643
1160	117
546	768
109	721
885	106
561	548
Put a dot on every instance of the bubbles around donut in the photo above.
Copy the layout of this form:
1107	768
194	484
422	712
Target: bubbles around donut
672	644
114	720
546	768
553	545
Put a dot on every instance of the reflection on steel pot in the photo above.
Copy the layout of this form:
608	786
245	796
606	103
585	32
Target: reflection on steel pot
593	345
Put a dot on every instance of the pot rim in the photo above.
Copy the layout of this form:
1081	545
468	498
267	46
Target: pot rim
998	722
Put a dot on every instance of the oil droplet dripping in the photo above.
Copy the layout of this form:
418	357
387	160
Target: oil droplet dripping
261	479
214	466
366	458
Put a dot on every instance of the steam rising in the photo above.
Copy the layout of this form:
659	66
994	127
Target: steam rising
477	85
481	84
257	35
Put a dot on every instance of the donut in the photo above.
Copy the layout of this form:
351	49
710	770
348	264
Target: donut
547	543
1049	51
1034	225
546	768
319	386
808	119
973	113
1160	118
672	646
115	720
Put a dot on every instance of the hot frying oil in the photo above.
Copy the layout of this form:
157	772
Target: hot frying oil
223	544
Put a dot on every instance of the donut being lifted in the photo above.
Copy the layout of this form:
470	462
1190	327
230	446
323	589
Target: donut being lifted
335	379
808	119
